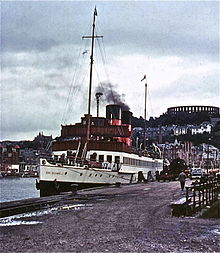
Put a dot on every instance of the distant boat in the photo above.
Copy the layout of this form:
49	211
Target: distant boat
97	151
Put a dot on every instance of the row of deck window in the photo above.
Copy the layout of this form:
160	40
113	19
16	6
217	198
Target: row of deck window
126	160
137	162
109	158
116	160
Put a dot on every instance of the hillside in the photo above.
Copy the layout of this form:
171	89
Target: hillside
193	119
168	120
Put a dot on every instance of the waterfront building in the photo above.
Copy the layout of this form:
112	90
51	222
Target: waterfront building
204	155
205	127
29	170
158	133
9	154
23	158
9	158
182	150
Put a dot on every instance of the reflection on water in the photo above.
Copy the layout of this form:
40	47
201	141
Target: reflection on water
17	189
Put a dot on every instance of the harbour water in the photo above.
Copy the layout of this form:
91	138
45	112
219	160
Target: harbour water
17	189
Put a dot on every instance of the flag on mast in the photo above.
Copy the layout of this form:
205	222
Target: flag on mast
143	78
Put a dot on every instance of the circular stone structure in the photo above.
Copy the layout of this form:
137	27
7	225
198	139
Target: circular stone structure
210	110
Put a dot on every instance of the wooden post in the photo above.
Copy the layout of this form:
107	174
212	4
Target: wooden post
194	198
206	194
187	194
209	189
199	189
203	195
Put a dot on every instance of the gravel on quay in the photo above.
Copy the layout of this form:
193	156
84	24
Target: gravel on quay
133	218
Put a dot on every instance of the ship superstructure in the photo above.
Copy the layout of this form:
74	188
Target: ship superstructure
110	157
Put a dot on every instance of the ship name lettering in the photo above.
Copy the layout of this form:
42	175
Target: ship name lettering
56	173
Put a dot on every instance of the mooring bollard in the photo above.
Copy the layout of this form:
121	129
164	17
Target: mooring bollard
74	188
118	184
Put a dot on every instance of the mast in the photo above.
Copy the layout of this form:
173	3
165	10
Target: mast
90	75
145	109
145	113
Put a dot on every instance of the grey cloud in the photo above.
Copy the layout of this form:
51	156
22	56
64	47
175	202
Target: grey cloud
55	59
178	43
180	28
40	25
23	42
39	42
171	28
191	86
63	61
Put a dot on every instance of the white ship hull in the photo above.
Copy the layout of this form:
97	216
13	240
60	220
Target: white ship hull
55	178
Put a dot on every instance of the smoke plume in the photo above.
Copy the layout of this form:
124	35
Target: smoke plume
111	96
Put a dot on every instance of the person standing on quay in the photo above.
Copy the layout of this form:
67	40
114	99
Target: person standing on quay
182	179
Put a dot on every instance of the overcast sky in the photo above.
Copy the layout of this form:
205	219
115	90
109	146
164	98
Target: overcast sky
45	62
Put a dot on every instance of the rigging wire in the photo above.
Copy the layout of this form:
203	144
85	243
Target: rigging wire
70	90
150	104
74	87
119	128
71	108
103	57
